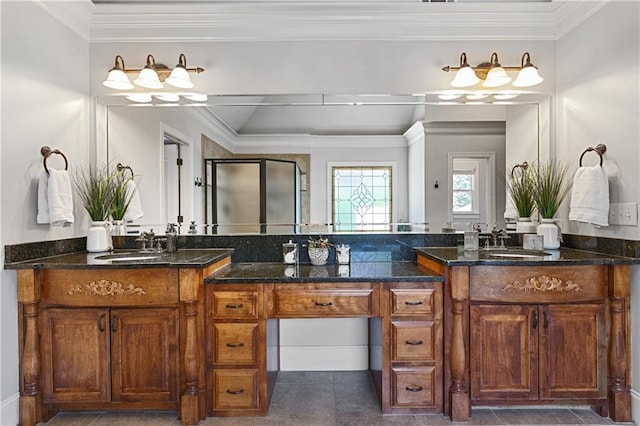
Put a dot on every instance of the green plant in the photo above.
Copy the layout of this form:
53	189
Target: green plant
121	197
521	188
319	242
95	189
552	183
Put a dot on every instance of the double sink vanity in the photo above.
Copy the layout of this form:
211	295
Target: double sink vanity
195	332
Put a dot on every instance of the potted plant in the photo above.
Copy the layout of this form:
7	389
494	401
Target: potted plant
318	249
552	182
521	188
95	189
121	200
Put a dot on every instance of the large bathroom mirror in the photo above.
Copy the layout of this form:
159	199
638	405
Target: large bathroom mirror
426	140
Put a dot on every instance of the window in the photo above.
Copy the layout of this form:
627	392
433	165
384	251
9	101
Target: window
361	198
465	187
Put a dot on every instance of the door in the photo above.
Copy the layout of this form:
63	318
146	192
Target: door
75	355
504	352
144	354
573	341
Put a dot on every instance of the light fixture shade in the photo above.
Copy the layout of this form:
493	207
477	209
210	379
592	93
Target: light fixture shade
148	78
117	79
180	78
465	77
449	96
198	97
528	76
168	97
139	97
496	76
505	95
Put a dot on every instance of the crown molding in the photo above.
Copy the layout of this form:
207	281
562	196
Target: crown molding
75	15
305	143
570	14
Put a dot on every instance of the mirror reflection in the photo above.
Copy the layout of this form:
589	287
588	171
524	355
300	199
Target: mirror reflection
446	161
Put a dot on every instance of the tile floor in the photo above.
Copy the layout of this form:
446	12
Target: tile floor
342	398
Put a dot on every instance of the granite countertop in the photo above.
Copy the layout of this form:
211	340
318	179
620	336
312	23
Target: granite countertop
562	256
266	272
184	258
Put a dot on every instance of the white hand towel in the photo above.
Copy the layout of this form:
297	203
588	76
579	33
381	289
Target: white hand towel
43	199
60	196
590	196
134	210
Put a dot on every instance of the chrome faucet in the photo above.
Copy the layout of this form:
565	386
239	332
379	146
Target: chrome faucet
148	240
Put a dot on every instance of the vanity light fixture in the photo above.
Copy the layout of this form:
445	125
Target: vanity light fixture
152	75
492	74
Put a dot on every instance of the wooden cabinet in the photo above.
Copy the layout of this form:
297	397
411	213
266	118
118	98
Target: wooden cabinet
537	352
107	355
412	342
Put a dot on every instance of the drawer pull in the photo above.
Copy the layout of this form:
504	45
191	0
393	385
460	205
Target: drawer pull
101	322
235	345
414	388
235	392
324	303
234	306
413	303
414	342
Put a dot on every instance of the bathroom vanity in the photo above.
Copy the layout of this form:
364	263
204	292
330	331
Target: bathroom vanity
552	329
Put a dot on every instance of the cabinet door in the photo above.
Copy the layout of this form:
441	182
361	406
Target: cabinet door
504	352
573	341
144	354
75	355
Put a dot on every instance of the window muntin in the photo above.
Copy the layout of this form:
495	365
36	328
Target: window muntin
465	188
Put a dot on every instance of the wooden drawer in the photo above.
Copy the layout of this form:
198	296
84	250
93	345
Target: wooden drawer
235	389
537	284
110	287
235	343
235	304
413	302
415	387
414	341
323	303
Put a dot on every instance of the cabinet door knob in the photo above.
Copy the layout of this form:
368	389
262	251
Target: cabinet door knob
235	392
114	324
414	388
102	322
414	342
536	320
546	318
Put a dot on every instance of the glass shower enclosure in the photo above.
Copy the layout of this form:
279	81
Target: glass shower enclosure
252	195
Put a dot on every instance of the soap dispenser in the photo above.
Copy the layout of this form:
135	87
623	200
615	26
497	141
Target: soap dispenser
172	238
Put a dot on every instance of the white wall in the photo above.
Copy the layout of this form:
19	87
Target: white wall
597	101
45	101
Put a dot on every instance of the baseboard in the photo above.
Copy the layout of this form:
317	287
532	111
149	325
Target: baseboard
9	410
635	405
324	358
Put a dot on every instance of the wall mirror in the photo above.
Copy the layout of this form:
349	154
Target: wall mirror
421	135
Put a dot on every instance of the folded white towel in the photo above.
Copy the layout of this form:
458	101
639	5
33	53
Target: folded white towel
60	197
134	210
590	196
43	199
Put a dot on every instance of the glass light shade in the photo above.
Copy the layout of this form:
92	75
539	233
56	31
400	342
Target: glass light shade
496	76
139	97
479	95
465	77
148	78
179	77
117	79
528	76
505	95
449	96
198	97
168	97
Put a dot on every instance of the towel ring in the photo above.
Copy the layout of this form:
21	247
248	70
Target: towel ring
120	167
522	166
47	152
600	149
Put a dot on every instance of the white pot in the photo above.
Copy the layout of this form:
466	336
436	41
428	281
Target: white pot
99	237
550	231
318	255
525	226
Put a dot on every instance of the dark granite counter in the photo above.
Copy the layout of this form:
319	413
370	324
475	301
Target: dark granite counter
191	258
267	272
563	256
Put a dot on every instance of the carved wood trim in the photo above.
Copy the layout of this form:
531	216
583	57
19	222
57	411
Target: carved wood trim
542	284
106	288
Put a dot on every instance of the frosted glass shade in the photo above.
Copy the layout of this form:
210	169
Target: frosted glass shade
179	77
198	97
168	97
139	97
528	76
496	76
148	78
465	77
117	79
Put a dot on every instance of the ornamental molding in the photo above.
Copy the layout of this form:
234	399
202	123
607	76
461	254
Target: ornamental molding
542	284
106	288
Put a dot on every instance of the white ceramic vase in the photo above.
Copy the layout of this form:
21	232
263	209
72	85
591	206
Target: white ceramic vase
525	226
99	237
118	228
550	231
318	255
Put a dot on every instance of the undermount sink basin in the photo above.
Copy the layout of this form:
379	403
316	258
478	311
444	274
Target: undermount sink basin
128	257
516	253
